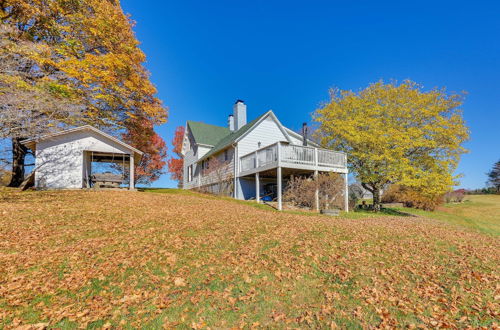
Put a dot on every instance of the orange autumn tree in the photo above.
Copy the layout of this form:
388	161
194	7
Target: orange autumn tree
141	134
176	165
83	52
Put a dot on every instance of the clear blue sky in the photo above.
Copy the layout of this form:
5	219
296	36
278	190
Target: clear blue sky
285	55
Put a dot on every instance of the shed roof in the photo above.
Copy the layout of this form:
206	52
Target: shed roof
31	143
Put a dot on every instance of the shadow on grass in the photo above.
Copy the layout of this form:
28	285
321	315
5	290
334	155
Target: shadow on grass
397	213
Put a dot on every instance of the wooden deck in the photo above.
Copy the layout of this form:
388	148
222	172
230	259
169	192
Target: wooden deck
283	155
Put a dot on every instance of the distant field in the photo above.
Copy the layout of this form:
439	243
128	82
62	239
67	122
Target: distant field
182	260
479	212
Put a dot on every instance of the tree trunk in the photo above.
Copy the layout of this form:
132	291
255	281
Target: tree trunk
375	190
18	156
376	199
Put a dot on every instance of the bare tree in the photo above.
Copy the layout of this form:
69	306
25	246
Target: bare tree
301	191
28	105
219	177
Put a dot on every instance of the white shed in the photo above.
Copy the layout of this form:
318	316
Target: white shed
64	159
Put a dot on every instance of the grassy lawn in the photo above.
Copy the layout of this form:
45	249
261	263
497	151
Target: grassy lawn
183	260
478	212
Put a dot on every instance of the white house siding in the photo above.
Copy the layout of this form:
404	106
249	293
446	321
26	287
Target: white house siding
60	160
296	141
190	158
267	133
226	171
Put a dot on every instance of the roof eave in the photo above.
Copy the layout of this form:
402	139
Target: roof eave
31	143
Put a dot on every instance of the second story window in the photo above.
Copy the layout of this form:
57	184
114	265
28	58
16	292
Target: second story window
226	156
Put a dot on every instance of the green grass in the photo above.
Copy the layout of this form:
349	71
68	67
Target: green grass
477	212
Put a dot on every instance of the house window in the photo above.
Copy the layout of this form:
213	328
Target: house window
225	156
190	173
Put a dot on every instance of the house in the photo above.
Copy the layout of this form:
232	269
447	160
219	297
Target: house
63	160
253	159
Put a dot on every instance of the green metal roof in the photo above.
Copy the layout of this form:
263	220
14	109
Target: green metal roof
231	138
207	134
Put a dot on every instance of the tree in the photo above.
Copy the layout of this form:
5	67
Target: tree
396	133
176	165
142	136
218	177
494	177
78	52
30	105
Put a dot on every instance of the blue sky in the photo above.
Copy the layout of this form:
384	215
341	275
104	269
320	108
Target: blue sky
285	55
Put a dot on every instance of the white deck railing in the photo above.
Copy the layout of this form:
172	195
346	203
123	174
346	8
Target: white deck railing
287	155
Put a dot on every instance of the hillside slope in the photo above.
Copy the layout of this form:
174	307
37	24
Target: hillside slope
71	259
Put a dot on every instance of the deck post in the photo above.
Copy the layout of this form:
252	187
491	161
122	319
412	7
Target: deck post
132	174
257	187
278	153
316	193
346	195
280	202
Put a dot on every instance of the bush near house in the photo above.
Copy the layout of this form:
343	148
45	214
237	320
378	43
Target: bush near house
301	191
456	196
411	198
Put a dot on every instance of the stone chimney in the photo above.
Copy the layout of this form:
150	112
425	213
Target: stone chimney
240	114
230	122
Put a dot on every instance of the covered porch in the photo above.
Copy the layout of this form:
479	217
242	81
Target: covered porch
114	176
280	161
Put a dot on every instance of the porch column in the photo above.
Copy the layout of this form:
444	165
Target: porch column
257	187
346	200
280	202
316	193
132	173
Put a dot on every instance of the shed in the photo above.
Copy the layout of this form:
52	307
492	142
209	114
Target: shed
64	159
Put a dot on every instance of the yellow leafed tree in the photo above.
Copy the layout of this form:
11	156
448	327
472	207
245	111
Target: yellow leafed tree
396	133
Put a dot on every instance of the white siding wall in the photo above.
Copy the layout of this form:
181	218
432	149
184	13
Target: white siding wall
190	158
267	133
226	171
60	162
295	140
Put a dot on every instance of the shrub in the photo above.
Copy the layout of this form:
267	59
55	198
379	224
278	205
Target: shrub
411	198
301	191
392	194
456	196
415	199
